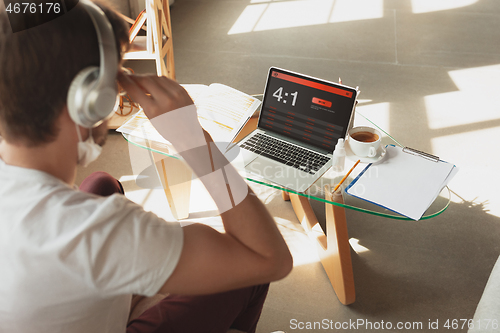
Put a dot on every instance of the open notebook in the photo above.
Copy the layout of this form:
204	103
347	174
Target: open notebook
222	111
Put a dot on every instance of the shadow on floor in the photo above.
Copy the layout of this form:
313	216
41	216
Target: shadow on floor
415	272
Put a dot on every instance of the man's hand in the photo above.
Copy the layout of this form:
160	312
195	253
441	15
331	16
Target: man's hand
156	94
169	108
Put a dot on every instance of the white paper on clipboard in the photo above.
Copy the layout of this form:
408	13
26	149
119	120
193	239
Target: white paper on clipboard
404	183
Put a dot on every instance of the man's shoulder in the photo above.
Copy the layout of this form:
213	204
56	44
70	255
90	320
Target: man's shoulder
43	200
94	208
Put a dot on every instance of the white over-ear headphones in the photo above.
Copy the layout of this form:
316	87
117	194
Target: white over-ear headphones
92	93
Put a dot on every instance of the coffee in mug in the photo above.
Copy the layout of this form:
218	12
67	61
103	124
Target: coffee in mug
364	141
365	136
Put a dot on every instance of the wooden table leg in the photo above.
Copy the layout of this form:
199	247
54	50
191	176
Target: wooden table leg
333	248
175	177
285	195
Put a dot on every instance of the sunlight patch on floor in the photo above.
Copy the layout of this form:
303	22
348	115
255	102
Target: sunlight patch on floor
200	200
379	113
466	126
476	101
268	15
356	10
357	247
152	200
248	19
427	6
302	249
477	155
127	178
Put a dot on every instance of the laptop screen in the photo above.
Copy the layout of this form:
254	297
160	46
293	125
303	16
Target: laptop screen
307	109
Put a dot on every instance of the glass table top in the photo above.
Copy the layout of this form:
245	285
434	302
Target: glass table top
330	178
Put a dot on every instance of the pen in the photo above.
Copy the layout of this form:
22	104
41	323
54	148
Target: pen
345	177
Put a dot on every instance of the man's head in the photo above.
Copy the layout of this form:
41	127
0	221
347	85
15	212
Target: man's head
37	66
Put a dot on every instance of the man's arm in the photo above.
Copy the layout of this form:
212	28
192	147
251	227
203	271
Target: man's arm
252	250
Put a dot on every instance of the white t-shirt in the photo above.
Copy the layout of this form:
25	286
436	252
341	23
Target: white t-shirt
69	261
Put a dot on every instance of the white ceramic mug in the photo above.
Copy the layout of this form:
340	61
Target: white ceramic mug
364	141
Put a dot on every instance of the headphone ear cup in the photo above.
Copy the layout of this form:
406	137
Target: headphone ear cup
78	101
89	103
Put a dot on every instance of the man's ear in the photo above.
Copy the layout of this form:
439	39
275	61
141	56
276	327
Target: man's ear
66	122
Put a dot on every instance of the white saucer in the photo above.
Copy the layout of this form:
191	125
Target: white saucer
350	155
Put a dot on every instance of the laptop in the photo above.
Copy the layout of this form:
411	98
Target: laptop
300	122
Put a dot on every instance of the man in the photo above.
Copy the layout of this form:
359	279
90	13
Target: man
70	260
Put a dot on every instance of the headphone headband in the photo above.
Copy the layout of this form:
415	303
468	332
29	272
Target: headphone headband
92	93
107	43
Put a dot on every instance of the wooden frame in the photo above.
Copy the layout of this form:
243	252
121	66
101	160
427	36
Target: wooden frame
175	177
137	25
333	248
157	44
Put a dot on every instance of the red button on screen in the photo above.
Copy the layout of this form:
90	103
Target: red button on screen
322	102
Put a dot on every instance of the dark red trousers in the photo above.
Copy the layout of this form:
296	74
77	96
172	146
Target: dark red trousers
238	309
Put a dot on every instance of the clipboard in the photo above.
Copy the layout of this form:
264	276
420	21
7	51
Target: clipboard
406	181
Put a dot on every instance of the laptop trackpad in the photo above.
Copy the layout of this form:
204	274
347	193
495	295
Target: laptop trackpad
240	156
277	172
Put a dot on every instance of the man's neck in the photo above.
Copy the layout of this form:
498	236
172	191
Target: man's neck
54	158
39	158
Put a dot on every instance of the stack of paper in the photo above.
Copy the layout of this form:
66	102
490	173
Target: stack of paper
222	111
402	182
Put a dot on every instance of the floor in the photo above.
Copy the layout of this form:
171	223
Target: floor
429	74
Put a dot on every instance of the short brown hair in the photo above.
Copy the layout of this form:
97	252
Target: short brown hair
37	66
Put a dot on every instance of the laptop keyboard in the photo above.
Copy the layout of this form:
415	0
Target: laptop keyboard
286	153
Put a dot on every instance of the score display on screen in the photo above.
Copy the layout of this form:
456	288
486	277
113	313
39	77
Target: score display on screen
306	109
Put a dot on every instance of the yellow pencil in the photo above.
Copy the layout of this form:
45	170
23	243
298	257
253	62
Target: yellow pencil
345	177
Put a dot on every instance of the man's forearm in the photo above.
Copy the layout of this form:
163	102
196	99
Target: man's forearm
182	129
243	214
252	249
